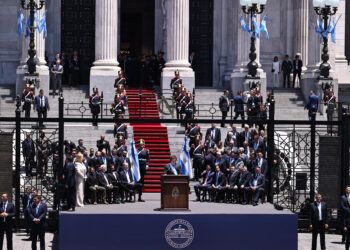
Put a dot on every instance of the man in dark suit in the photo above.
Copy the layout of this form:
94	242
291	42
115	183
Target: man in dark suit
42	106
245	136
7	212
69	146
26	198
37	214
318	221
287	67
256	185
243	179
103	144
262	163
239	106
312	105
258	145
222	163
214	132
123	158
172	168
224	105
93	186
231	193
114	179
128	183
217	186
297	68
111	190
207	176
70	184
28	148
345	205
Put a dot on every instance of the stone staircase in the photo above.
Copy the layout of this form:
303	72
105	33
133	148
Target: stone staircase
290	105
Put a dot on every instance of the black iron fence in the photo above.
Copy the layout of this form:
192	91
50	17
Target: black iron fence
295	142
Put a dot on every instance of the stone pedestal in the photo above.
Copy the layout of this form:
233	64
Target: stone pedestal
44	77
240	83
105	68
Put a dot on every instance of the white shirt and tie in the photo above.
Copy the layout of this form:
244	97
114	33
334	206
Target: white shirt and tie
42	102
4	207
319	207
213	134
127	175
104	176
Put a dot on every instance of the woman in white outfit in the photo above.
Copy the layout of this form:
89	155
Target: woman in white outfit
276	69
80	179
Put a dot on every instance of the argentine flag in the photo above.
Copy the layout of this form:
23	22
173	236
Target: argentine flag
263	28
332	27
185	160
245	26
42	26
21	23
256	27
134	160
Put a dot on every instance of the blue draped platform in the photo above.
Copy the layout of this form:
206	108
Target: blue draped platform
206	226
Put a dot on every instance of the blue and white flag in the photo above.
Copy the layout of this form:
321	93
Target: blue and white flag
318	28
263	28
245	27
256	27
21	23
331	29
42	26
134	160
185	160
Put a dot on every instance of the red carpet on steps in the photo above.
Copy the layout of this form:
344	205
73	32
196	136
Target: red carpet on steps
155	135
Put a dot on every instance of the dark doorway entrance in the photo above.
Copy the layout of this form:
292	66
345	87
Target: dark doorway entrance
137	27
201	39
78	33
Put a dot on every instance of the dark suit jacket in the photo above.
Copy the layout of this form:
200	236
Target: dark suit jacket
120	162
168	171
28	148
232	178
223	164
101	146
260	182
314	214
287	67
210	177
70	172
242	138
210	160
123	179
91	180
25	200
41	216
239	104
346	210
113	179
102	181
10	210
217	135
243	179
300	65
264	166
220	176
37	102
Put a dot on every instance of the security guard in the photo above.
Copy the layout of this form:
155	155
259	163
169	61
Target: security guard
192	132
94	104
120	80
117	107
143	155
27	100
120	129
120	145
174	84
189	109
197	154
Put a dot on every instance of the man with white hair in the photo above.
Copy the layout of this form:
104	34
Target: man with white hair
57	72
105	181
128	183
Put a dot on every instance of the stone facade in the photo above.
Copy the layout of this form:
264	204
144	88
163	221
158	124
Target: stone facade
288	23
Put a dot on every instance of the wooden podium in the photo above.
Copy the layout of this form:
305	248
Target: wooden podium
175	192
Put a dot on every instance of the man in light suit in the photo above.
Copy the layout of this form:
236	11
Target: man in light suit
312	105
42	106
172	168
57	72
224	105
37	214
256	185
214	132
318	221
7	212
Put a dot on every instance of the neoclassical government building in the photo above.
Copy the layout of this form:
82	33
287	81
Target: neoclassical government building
99	29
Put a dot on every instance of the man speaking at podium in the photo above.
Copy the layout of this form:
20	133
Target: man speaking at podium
172	168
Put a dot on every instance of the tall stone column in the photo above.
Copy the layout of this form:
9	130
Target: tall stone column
302	29
178	36
105	68
40	44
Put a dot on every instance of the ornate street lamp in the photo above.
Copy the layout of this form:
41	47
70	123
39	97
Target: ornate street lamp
251	7
32	6
325	9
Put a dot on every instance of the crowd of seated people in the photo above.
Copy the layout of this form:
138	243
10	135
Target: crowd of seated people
231	169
